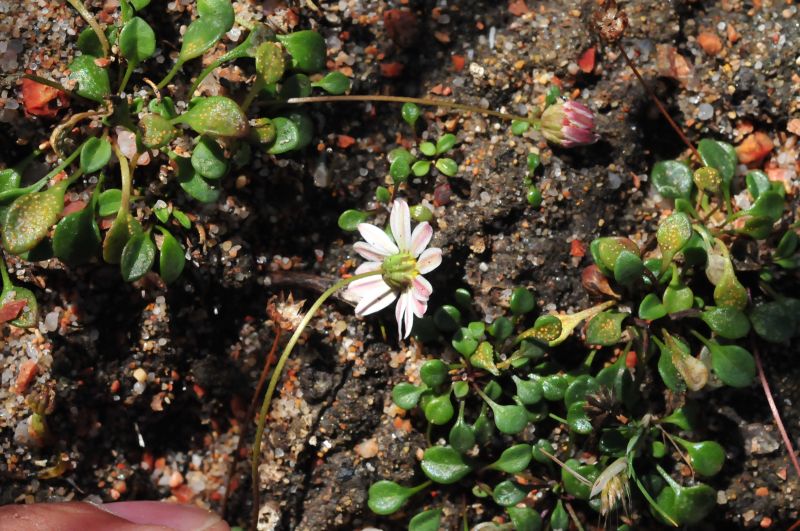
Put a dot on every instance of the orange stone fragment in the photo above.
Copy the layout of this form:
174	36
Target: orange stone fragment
755	147
710	42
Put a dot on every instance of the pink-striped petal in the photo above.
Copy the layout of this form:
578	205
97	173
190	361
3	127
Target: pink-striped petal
400	312
369	252
420	238
367	287
378	239
376	301
408	315
419	307
429	260
400	221
421	288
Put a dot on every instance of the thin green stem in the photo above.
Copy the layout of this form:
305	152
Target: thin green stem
7	284
276	375
87	16
170	75
125	173
417	101
255	88
35	187
127	76
558	419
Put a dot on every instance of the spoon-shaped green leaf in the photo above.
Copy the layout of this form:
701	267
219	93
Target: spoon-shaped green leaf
686	505
507	493
581	489
336	83
559	520
307	50
528	391
651	308
577	418
95	154
483	358
137	257
123	229
30	217
774	321
672	179
443	464
137	42
433	373
406	395
426	521
605	328
92	81
208	158
156	130
513	459
524	518
462	435
386	497
672	235
729	292
215	115
729	323
439	409
269	62
463	342
76	239
605	252
172	258
510	419
192	183
706	457
677	297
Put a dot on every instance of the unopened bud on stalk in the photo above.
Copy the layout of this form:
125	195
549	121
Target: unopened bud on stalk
569	124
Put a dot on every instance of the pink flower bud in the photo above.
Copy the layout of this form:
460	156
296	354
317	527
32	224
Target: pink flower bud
569	124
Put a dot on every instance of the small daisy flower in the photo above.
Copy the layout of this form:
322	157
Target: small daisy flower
402	260
569	124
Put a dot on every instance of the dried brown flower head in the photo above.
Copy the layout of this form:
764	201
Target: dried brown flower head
610	22
284	312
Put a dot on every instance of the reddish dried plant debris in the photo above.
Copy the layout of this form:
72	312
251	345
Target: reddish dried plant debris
42	100
458	62
518	7
631	359
27	372
345	141
11	310
393	69
401	26
587	60
754	148
577	248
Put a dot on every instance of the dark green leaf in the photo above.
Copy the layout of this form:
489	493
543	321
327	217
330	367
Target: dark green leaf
307	50
554	387
208	159
729	323
508	419
406	395
522	301
123	228
706	457
464	343
156	130
628	268
433	373
528	391
439	409
447	166
605	252
507	493
773	322
200	36
757	183
334	83
672	179
501	328
605	328
215	115
92	81
421	167
172	258
444	465
518	127
769	205
350	219
514	459
295	86
573	485
193	184
386	497
426	521
524	518
445	143
579	388
719	155
578	419
733	365
137	257
76	239
428	149
95	154
559	520
269	62
410	113
137	41
109	202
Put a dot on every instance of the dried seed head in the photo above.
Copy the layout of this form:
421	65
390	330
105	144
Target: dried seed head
285	313
610	22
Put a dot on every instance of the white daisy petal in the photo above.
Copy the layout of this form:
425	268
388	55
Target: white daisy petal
429	260
400	312
400	221
418	307
376	301
409	315
370	252
422	288
368	267
378	239
364	287
420	238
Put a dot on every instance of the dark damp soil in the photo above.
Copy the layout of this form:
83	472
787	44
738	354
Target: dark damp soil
152	385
